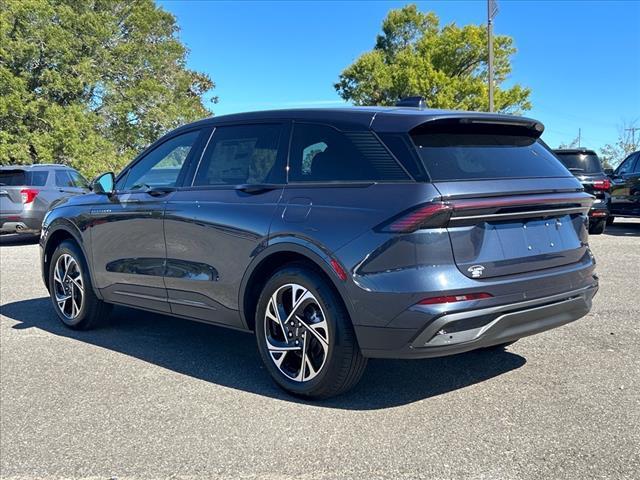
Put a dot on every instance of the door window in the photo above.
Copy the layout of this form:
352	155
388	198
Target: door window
626	166
63	180
242	154
162	165
320	153
78	180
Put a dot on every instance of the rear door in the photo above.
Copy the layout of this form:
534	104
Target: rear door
216	223
625	189
515	207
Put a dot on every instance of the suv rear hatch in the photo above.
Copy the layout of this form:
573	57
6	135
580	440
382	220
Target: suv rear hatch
512	206
586	167
17	186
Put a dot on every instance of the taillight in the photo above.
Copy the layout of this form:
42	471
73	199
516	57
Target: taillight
454	298
602	184
429	215
28	194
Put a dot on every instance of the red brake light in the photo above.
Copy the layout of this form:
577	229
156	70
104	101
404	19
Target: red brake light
602	184
454	298
430	215
28	194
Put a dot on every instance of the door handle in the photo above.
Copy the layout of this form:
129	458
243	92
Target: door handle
257	187
160	191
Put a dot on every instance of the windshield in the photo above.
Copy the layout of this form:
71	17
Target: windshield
578	162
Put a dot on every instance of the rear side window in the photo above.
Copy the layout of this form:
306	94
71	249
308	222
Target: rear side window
320	153
18	178
580	162
242	154
484	151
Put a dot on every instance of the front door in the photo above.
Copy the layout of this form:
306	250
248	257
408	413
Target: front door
127	231
625	188
214	227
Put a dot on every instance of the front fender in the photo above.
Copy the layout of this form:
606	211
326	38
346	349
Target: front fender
52	227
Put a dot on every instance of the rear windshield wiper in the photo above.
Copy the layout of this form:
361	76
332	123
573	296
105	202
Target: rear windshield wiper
573	169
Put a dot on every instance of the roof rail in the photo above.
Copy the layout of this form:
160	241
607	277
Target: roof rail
415	102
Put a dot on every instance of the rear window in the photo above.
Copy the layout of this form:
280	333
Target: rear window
482	152
320	153
578	162
20	178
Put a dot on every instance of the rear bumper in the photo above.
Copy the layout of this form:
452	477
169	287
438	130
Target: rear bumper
460	332
20	223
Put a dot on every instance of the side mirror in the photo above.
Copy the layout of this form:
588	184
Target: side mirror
608	171
104	184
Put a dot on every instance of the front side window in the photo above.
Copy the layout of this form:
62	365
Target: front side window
626	166
161	166
78	180
241	154
320	153
63	180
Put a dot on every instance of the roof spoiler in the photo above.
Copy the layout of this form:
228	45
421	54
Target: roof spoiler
514	124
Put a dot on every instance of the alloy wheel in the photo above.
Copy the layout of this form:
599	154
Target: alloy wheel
68	286
296	332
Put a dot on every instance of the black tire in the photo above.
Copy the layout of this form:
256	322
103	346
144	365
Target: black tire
92	311
343	363
610	220
598	227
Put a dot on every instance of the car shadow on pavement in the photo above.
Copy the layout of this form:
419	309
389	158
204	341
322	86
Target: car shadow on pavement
230	358
16	239
620	228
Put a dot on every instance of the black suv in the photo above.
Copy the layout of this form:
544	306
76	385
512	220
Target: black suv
625	189
335	235
586	166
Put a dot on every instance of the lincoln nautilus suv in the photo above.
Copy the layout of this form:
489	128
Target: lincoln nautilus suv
335	235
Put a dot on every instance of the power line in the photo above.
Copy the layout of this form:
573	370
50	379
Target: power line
633	135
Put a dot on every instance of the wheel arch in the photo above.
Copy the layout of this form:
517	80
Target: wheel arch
54	236
274	257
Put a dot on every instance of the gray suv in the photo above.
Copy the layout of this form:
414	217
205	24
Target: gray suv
335	235
28	192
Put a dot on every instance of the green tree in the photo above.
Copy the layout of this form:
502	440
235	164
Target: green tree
446	65
614	153
90	83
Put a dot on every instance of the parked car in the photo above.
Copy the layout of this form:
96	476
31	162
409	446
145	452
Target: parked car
27	192
335	235
586	166
625	189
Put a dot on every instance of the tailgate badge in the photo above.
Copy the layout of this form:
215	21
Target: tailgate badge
476	271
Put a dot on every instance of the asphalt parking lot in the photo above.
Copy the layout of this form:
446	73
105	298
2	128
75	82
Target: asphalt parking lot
149	396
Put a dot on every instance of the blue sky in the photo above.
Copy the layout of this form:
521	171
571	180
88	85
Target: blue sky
580	58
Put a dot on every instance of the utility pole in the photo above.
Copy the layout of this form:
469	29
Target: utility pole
633	135
579	137
492	11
